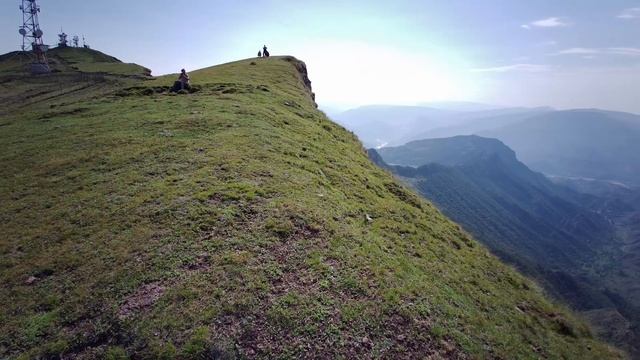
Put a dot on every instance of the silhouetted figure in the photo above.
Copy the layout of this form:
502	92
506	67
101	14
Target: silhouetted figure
259	53
184	78
183	83
265	52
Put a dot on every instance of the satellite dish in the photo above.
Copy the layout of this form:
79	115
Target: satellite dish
38	33
22	32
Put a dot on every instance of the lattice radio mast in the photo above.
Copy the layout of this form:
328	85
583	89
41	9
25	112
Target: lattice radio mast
32	36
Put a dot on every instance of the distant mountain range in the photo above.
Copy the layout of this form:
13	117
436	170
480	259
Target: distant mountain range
391	125
579	143
380	125
460	106
568	240
595	144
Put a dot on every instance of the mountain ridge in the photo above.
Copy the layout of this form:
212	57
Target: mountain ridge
396	125
71	59
566	143
236	221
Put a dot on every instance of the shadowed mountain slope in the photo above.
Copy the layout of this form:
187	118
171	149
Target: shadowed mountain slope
479	181
570	242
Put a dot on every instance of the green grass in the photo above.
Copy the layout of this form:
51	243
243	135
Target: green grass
232	222
73	55
70	60
111	68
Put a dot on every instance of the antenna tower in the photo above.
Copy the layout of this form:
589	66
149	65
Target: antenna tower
32	36
62	39
76	41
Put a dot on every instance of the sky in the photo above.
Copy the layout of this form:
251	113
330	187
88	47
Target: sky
559	53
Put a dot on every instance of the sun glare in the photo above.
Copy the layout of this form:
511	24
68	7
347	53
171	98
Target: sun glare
358	73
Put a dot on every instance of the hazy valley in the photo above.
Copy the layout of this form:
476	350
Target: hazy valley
581	247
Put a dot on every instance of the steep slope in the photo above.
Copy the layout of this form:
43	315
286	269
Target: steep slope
621	205
238	221
572	143
568	241
480	183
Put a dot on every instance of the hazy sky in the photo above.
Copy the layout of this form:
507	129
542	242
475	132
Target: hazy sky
562	53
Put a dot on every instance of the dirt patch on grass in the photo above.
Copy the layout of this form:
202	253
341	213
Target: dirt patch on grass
201	263
54	114
393	337
403	194
143	298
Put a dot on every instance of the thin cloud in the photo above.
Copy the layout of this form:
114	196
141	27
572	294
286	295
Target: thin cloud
579	51
515	68
551	22
623	51
632	13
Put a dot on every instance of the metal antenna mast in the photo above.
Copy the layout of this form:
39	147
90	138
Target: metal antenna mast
32	36
62	39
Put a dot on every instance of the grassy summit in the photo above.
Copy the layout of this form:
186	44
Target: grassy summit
237	221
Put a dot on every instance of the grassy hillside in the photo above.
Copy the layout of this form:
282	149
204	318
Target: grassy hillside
71	60
237	221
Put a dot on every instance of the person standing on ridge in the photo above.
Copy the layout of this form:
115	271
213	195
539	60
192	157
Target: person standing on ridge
265	52
259	53
184	80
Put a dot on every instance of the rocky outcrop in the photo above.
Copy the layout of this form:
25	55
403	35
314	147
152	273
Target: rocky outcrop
304	75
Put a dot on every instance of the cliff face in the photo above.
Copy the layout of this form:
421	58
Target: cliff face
304	75
238	221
